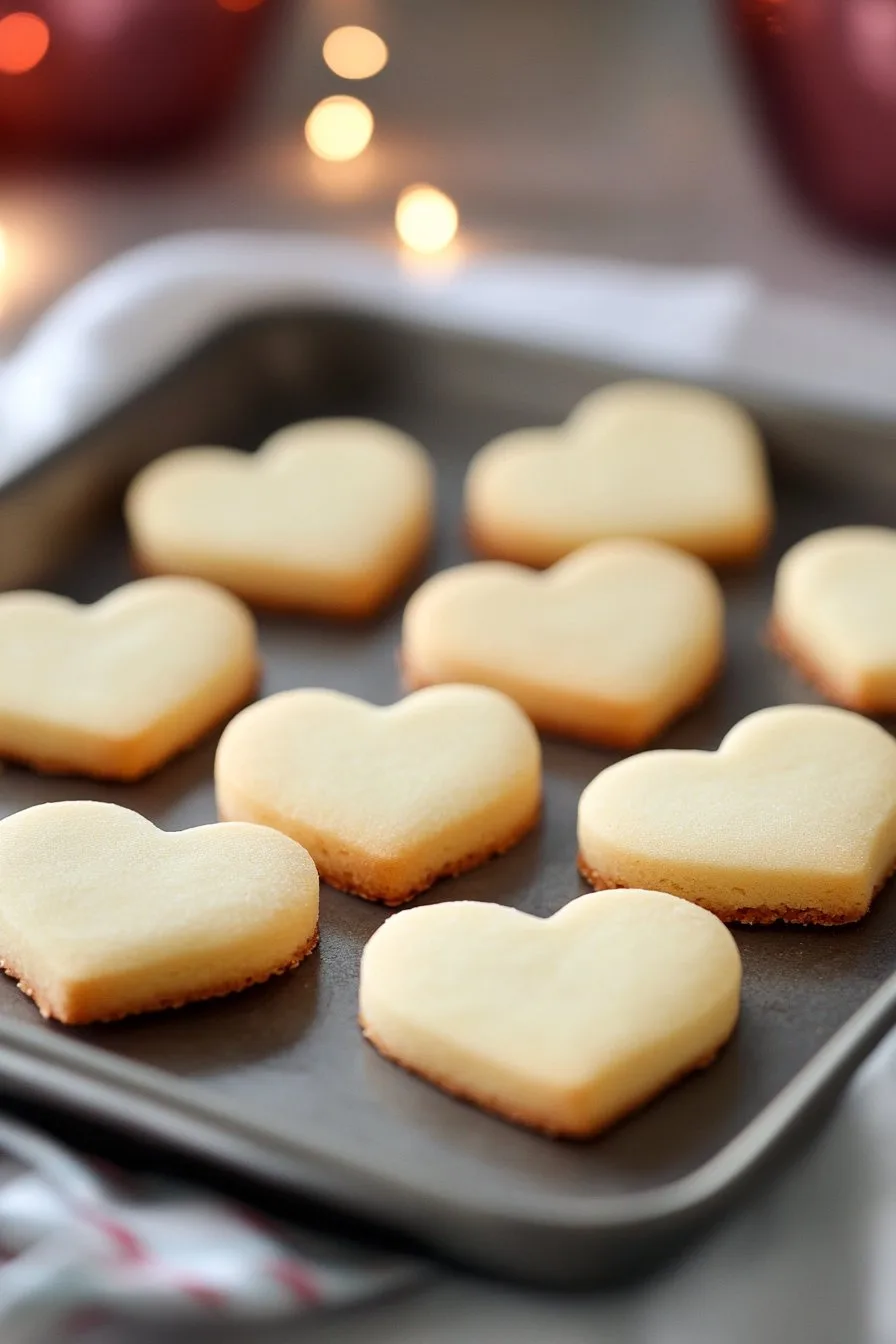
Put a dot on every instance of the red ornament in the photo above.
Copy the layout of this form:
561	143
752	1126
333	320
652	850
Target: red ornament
824	77
122	77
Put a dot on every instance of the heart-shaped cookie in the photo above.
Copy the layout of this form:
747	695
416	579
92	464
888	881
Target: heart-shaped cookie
641	459
386	800
608	646
328	516
564	1024
103	915
793	818
834	614
114	689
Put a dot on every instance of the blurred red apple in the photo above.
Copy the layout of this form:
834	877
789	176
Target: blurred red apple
122	77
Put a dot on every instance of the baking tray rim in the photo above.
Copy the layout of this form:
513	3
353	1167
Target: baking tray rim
762	398
75	1077
79	1077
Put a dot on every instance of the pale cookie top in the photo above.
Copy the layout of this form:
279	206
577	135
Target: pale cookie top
325	495
796	788
112	667
382	776
599	986
642	458
620	620
91	889
835	592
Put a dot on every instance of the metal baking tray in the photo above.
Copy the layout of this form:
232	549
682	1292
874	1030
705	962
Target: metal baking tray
275	1085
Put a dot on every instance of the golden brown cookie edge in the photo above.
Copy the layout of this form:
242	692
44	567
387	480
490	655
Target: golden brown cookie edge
160	1004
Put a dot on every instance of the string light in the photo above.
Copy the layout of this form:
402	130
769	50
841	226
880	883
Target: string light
355	53
24	42
425	219
339	128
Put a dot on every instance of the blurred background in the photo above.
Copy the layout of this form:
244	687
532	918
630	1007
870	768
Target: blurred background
578	126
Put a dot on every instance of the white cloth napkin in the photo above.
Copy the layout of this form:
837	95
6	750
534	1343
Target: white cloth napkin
133	316
80	1244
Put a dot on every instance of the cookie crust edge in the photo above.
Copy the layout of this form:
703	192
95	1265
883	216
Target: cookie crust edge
553	727
749	914
351	878
780	640
128	774
580	1133
86	1018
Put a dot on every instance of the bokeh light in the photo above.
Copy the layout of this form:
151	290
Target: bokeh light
339	128
24	42
425	219
355	53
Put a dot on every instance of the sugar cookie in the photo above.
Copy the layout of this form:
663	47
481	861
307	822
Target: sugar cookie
793	818
564	1024
327	516
386	800
114	689
102	915
645	459
834	614
608	646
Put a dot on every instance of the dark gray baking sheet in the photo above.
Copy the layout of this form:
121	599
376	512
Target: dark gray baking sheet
276	1083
